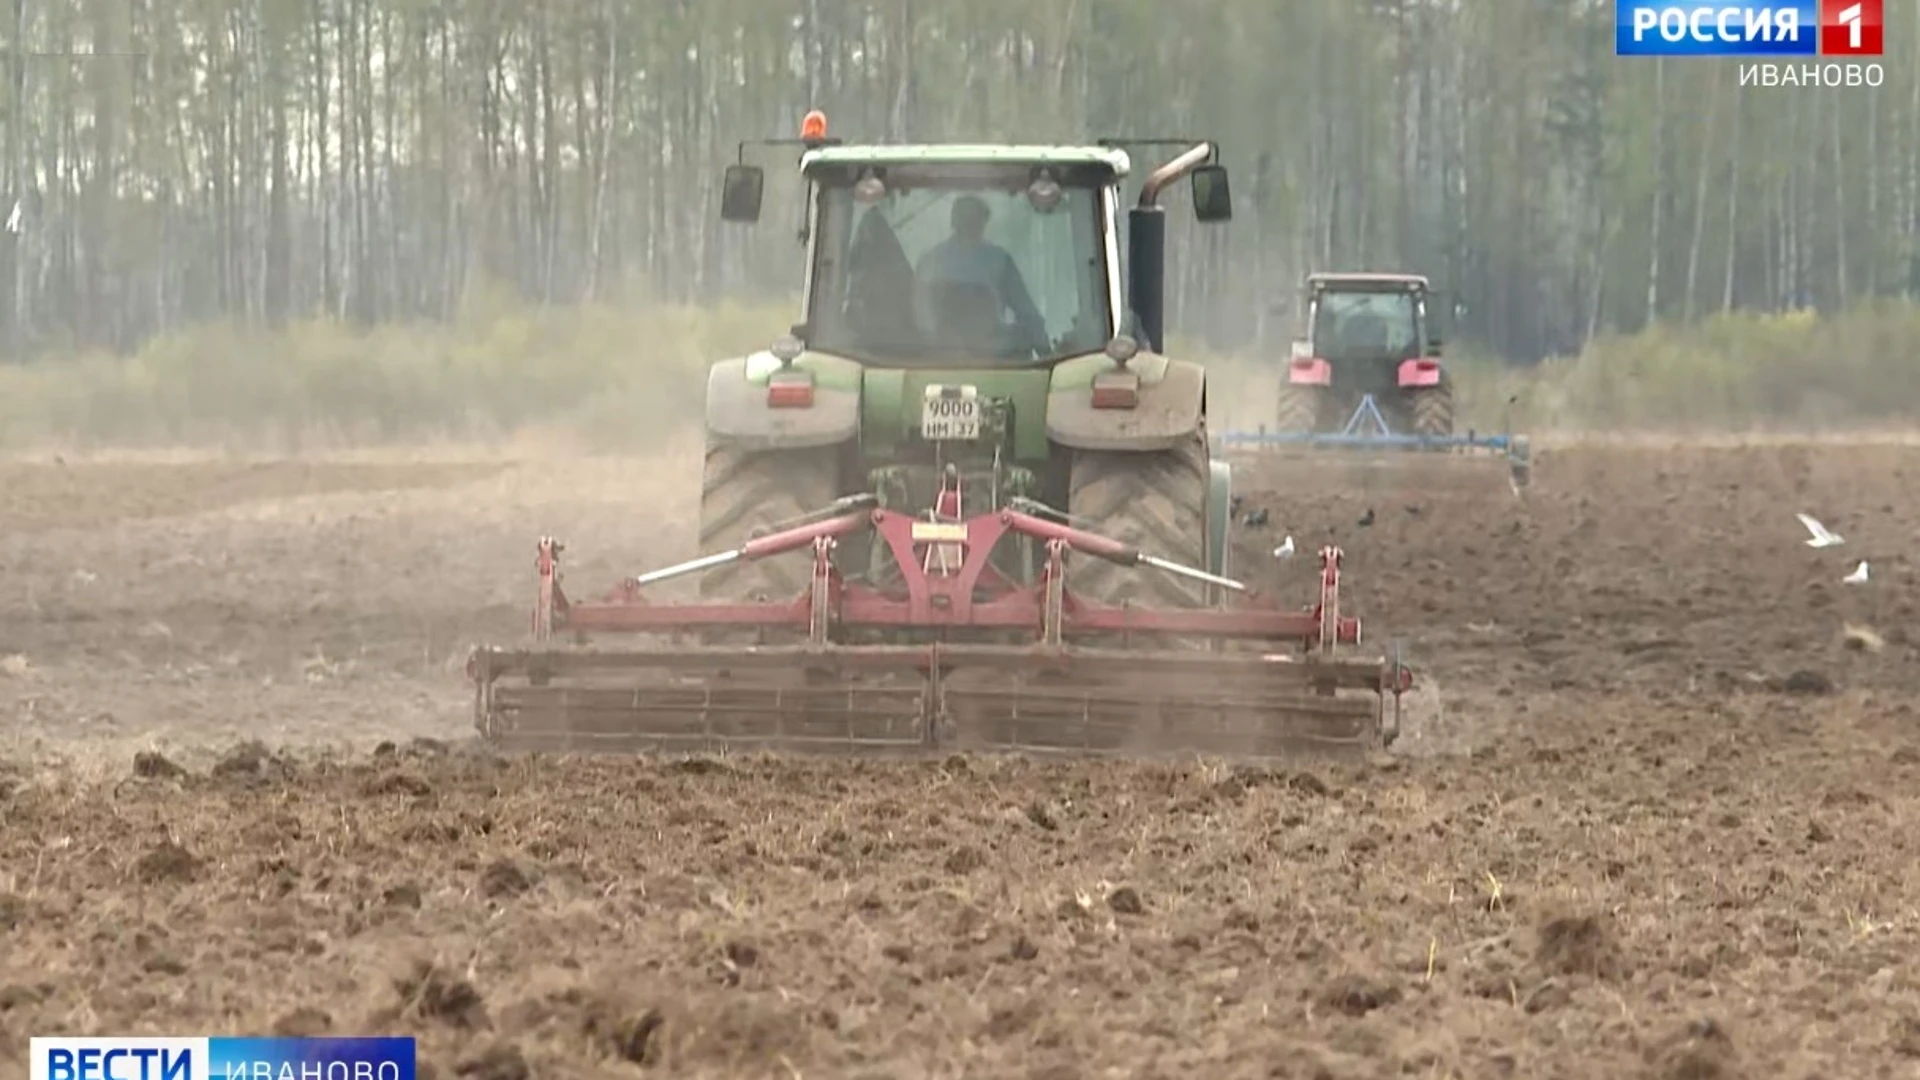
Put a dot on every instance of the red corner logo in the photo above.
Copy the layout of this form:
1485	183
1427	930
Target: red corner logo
1851	27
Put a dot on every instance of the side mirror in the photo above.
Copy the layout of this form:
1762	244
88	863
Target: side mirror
740	191
1212	197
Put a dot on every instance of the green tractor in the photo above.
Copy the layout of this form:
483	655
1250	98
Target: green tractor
932	507
964	312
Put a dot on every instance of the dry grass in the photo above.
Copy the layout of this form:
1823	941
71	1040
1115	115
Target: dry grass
604	377
1792	373
1737	378
523	381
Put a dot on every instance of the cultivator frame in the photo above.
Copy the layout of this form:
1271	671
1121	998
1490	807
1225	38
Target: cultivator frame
1031	686
1367	429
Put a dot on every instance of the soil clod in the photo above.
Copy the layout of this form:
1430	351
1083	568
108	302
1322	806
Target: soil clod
1357	995
1702	1050
742	954
398	783
1042	816
1308	784
504	878
14	911
1577	945
633	1037
1810	683
965	859
153	765
167	862
429	992
305	1022
501	1061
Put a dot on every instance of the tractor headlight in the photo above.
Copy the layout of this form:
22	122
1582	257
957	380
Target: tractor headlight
787	348
1122	349
869	190
1044	193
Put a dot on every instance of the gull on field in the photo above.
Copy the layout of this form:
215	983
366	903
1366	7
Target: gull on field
1859	575
1285	550
1822	536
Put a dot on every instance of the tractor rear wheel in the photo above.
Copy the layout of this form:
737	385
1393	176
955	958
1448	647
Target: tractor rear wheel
1155	500
748	493
745	494
1299	408
1431	408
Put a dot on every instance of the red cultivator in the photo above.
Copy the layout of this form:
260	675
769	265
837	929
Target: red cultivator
952	654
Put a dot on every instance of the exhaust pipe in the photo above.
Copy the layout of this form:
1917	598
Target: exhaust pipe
1147	245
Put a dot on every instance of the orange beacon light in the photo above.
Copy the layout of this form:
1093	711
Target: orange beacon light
813	127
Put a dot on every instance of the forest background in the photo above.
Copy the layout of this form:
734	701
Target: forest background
294	221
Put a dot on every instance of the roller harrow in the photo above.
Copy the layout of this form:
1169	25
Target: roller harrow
946	653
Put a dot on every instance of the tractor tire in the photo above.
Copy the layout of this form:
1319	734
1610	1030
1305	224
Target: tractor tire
1299	409
1431	409
748	493
1154	500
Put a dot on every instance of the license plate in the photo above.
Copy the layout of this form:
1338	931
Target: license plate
950	412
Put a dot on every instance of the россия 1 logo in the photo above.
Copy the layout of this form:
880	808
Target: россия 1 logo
1720	28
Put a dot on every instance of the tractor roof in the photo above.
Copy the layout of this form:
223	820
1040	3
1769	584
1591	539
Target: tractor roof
1368	280
966	154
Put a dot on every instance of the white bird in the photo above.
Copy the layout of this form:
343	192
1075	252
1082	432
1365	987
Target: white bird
1822	536
13	219
1285	550
1858	577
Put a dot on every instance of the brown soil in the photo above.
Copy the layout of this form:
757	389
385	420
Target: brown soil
1654	818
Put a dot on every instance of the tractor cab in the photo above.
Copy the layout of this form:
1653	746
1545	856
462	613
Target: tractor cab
1002	254
1364	327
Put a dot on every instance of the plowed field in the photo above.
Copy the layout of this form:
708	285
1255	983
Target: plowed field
1654	815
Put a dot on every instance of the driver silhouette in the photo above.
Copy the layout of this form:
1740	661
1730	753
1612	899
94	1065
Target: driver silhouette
968	259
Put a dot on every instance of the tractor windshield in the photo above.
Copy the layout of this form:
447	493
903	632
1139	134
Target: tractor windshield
1366	324
950	262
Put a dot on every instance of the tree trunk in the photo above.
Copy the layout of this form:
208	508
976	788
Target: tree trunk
1700	196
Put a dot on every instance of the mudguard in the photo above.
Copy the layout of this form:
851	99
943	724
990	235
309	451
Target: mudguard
738	414
1219	516
1171	406
1309	371
1418	372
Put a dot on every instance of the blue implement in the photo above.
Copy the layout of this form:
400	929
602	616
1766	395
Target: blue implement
1367	429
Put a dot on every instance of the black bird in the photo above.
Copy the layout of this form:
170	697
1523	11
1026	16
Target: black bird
1256	519
1366	519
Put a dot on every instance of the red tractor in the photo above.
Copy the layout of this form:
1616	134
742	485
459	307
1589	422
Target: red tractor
1367	338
